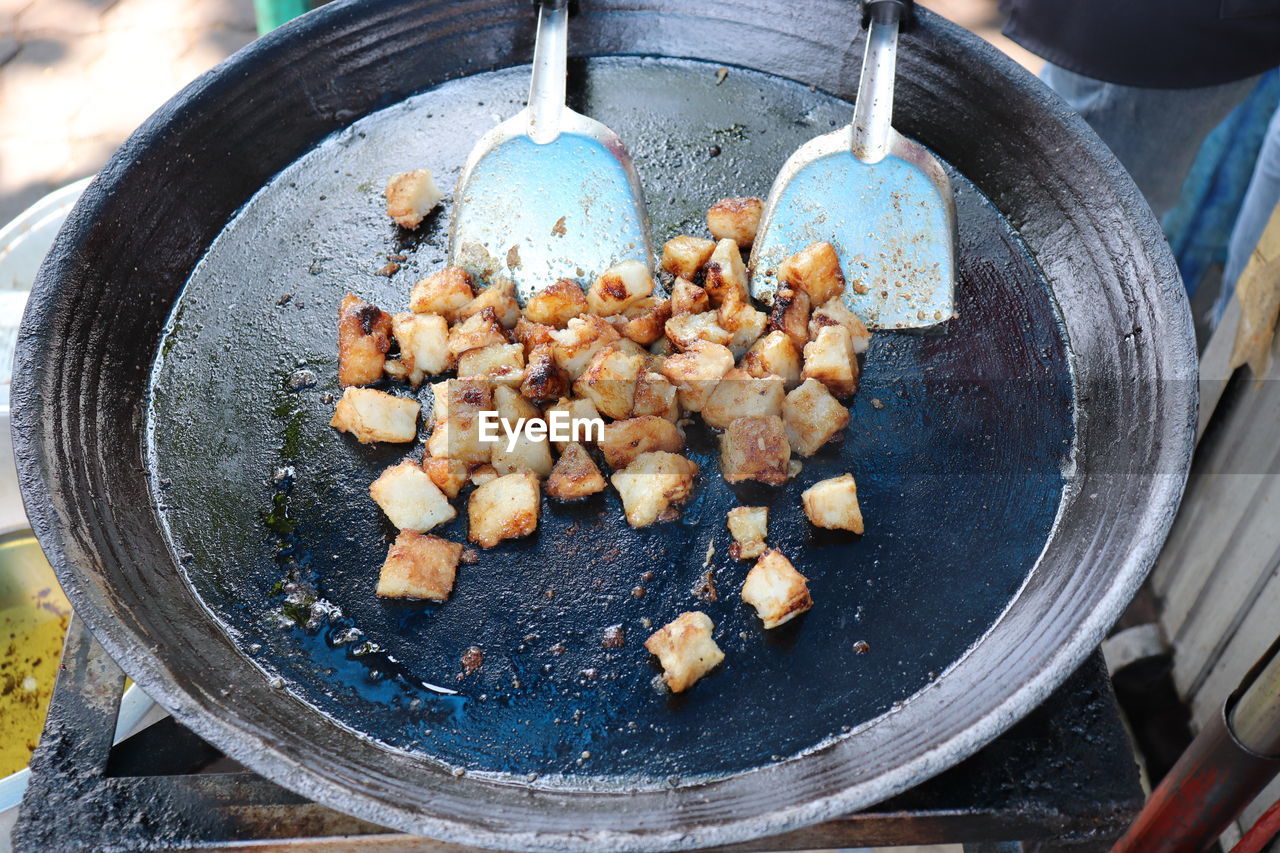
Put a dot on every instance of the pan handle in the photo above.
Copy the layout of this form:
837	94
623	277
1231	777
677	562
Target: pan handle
873	111
550	61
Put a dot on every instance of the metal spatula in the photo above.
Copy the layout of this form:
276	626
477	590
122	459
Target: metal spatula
882	200
549	193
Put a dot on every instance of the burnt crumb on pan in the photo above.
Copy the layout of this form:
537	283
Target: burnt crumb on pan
647	576
390	269
469	556
876	404
862	647
704	588
614	637
300	379
637	592
558	649
558	229
284	300
472	659
398	257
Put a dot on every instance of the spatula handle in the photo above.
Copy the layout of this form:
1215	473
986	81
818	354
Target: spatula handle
873	112
550	60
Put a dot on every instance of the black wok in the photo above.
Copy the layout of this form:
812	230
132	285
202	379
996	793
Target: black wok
176	372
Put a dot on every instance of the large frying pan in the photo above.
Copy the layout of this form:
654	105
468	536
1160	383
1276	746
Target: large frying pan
1019	470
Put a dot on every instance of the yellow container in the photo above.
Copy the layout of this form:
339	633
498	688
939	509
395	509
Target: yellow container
33	622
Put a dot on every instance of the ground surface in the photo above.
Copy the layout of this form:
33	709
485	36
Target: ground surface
77	76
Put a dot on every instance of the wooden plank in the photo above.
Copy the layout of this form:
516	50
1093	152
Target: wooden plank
1238	459
1254	635
1241	445
1215	363
1258	292
1200	622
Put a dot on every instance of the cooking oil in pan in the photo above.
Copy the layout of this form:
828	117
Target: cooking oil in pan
33	621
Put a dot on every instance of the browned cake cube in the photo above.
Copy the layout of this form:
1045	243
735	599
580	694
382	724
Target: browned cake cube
557	304
478	330
739	394
833	504
655	395
624	440
419	566
410	499
696	372
501	297
688	298
834	312
424	345
829	359
411	196
816	271
684	256
812	416
775	355
652	483
364	336
725	273
609	381
505	508
735	219
575	475
686	649
776	590
372	415
499	363
644	321
790	315
685	330
618	288
755	448
444	292
543	378
580	340
748	525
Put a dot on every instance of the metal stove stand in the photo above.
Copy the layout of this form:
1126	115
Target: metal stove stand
1062	779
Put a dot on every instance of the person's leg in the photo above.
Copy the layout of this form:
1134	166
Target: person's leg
1154	133
1259	200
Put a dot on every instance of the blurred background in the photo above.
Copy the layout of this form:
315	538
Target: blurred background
77	76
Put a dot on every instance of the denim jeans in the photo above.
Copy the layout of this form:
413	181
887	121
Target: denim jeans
1154	133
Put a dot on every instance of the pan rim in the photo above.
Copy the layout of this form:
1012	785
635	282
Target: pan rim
31	439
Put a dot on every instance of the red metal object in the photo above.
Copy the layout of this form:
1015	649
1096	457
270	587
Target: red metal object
1213	780
1227	765
1264	831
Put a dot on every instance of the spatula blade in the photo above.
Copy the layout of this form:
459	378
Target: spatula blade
892	224
569	208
